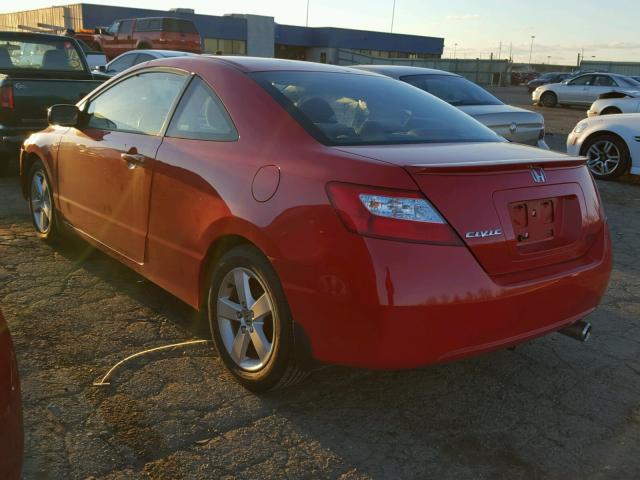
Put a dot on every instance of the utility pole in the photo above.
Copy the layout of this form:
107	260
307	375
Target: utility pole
531	49
308	12
511	52
455	48
393	14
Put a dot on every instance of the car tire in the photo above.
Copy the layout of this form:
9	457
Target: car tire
607	156
250	321
43	212
549	99
611	111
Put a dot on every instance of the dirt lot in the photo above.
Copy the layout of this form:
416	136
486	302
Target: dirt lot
552	408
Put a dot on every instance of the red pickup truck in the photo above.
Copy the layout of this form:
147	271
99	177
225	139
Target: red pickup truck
159	33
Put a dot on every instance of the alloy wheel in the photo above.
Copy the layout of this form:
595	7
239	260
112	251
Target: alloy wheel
41	205
603	157
246	318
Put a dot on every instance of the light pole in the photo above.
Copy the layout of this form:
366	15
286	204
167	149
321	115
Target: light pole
531	49
455	47
308	12
393	14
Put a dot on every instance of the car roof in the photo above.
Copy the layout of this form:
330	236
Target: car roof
397	71
260	64
42	36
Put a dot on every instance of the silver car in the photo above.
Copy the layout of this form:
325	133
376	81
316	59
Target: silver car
583	89
131	58
513	123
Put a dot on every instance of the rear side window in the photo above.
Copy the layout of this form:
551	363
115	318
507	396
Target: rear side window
178	25
138	104
201	116
452	89
142	25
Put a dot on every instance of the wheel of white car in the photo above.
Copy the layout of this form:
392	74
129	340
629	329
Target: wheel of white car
250	321
549	99
607	156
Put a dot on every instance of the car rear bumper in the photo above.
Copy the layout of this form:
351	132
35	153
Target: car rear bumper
420	304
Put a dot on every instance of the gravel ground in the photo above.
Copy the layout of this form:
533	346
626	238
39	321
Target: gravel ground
553	408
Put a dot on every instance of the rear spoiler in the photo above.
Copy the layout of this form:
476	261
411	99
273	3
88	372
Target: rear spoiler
604	96
499	165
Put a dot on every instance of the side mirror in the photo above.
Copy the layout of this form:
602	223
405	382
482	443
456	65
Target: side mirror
63	115
565	82
102	68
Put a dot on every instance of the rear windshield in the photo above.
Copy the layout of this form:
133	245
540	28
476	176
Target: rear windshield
353	109
457	91
627	82
36	54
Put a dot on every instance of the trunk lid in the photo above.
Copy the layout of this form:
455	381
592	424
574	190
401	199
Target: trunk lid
513	123
489	194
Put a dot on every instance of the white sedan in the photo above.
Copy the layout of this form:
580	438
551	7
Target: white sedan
584	89
616	104
611	144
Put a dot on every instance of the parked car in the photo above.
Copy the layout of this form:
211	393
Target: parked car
134	57
159	33
513	123
11	432
521	78
320	211
36	71
583	89
610	144
614	103
547	78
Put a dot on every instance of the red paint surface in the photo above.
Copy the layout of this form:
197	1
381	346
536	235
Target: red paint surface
361	301
11	434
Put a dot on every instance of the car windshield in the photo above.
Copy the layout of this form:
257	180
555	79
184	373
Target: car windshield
360	109
36	54
457	91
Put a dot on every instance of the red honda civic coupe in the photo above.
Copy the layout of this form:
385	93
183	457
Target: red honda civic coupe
318	212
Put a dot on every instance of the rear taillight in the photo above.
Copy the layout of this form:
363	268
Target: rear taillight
6	96
391	214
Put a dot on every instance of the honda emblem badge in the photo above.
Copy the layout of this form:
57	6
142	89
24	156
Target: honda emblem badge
538	175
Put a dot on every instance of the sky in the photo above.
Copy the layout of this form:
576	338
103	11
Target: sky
562	29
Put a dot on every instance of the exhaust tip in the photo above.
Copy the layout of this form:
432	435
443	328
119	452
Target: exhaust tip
580	331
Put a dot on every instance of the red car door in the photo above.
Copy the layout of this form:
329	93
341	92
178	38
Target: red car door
105	166
199	146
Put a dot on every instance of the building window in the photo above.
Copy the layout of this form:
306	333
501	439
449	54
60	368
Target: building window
225	47
323	57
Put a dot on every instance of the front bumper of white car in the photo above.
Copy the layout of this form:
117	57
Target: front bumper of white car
535	96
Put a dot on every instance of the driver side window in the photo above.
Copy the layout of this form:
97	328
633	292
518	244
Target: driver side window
138	104
585	80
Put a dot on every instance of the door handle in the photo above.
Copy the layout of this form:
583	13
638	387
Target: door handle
133	159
